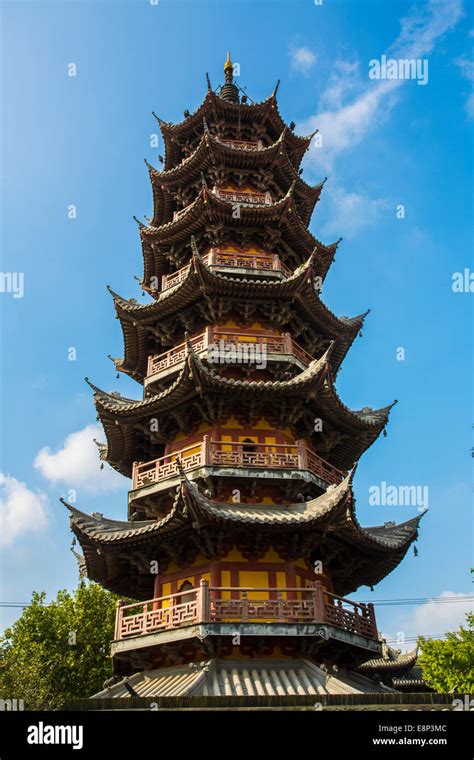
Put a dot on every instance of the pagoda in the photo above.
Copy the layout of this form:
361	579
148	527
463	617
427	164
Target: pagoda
241	541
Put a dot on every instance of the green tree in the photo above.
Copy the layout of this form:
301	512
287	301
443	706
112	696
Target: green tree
449	665
59	650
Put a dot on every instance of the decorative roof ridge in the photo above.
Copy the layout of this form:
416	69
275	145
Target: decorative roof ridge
389	529
301	512
166	173
207	135
368	411
360	416
348	324
169	126
314	369
207	196
123	402
406	524
161	122
149	229
95	521
124	301
99	518
359	319
212	96
102	449
391	659
139	222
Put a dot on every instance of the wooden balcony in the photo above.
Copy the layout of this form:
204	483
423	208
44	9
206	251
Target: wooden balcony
253	263
276	347
242	144
253	198
247	198
233	454
222	604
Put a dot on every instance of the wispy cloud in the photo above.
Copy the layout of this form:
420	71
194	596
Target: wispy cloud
350	212
466	66
302	60
21	511
352	105
76	463
432	618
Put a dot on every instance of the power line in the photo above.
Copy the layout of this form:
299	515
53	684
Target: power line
379	602
420	600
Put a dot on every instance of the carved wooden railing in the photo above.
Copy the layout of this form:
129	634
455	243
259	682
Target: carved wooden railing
274	344
237	196
234	454
206	604
242	144
269	262
216	257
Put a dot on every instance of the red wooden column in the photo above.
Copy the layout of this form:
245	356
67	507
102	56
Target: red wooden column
287	343
302	455
118	618
206	450
290	572
372	620
318	601
157	591
203	607
215	572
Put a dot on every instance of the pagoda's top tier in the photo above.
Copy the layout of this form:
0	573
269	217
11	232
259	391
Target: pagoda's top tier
229	116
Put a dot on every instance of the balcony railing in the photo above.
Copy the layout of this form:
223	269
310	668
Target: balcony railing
208	453
237	196
234	196
229	604
212	336
242	144
268	262
265	262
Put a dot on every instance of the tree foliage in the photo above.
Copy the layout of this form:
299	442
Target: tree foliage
449	665
60	650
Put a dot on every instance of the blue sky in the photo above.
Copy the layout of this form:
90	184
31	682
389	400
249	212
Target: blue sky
81	141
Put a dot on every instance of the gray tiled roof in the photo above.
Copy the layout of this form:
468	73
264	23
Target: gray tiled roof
223	678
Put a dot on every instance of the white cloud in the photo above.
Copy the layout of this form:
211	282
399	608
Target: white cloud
351	107
302	60
77	463
21	510
466	65
350	213
432	618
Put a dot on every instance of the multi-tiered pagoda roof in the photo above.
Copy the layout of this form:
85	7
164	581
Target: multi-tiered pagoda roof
241	452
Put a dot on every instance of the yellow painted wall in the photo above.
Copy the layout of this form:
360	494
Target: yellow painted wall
203	428
254	579
225	581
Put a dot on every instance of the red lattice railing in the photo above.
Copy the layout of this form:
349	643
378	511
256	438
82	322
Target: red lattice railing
266	262
234	454
237	196
242	144
206	604
274	344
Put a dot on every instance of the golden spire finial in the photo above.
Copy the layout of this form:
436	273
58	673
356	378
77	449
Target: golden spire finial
228	65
